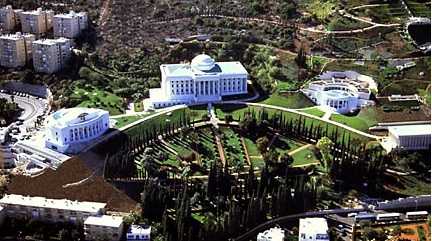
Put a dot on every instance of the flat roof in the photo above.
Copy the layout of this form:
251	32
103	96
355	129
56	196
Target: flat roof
411	130
41	202
139	229
16	36
70	14
313	226
51	41
73	116
104	220
182	70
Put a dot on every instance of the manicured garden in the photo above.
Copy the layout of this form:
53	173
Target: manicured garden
313	111
293	100
126	120
238	111
305	157
366	118
96	98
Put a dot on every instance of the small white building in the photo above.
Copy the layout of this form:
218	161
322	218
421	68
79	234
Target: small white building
273	234
313	229
70	25
202	81
51	55
74	126
342	92
410	137
138	233
104	228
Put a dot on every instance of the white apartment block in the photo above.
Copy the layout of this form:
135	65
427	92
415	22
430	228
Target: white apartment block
36	22
50	210
15	49
51	55
70	25
8	19
103	227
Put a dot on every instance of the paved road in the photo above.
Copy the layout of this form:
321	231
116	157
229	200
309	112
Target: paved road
32	106
269	224
400	204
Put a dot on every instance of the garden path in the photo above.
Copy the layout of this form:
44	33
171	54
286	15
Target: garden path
299	149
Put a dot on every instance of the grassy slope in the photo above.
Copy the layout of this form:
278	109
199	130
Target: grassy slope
99	99
365	119
314	111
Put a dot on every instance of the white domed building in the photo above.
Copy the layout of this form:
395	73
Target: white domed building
343	92
69	128
203	80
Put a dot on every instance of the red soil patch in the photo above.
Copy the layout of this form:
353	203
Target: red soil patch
50	185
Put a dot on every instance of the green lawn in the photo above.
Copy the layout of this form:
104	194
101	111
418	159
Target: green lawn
305	156
365	119
123	121
251	147
159	121
288	100
284	144
197	112
313	111
94	98
257	162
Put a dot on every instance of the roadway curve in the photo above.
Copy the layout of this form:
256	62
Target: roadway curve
32	107
269	224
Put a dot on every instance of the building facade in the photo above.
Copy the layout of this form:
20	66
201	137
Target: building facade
70	25
138	233
16	49
410	137
36	22
313	229
342	92
202	81
49	210
103	227
74	126
273	234
8	19
51	55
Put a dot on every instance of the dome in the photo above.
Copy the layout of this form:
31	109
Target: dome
203	62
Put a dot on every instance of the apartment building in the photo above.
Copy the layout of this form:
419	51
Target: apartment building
15	49
51	55
70	25
103	227
50	210
8	18
36	22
